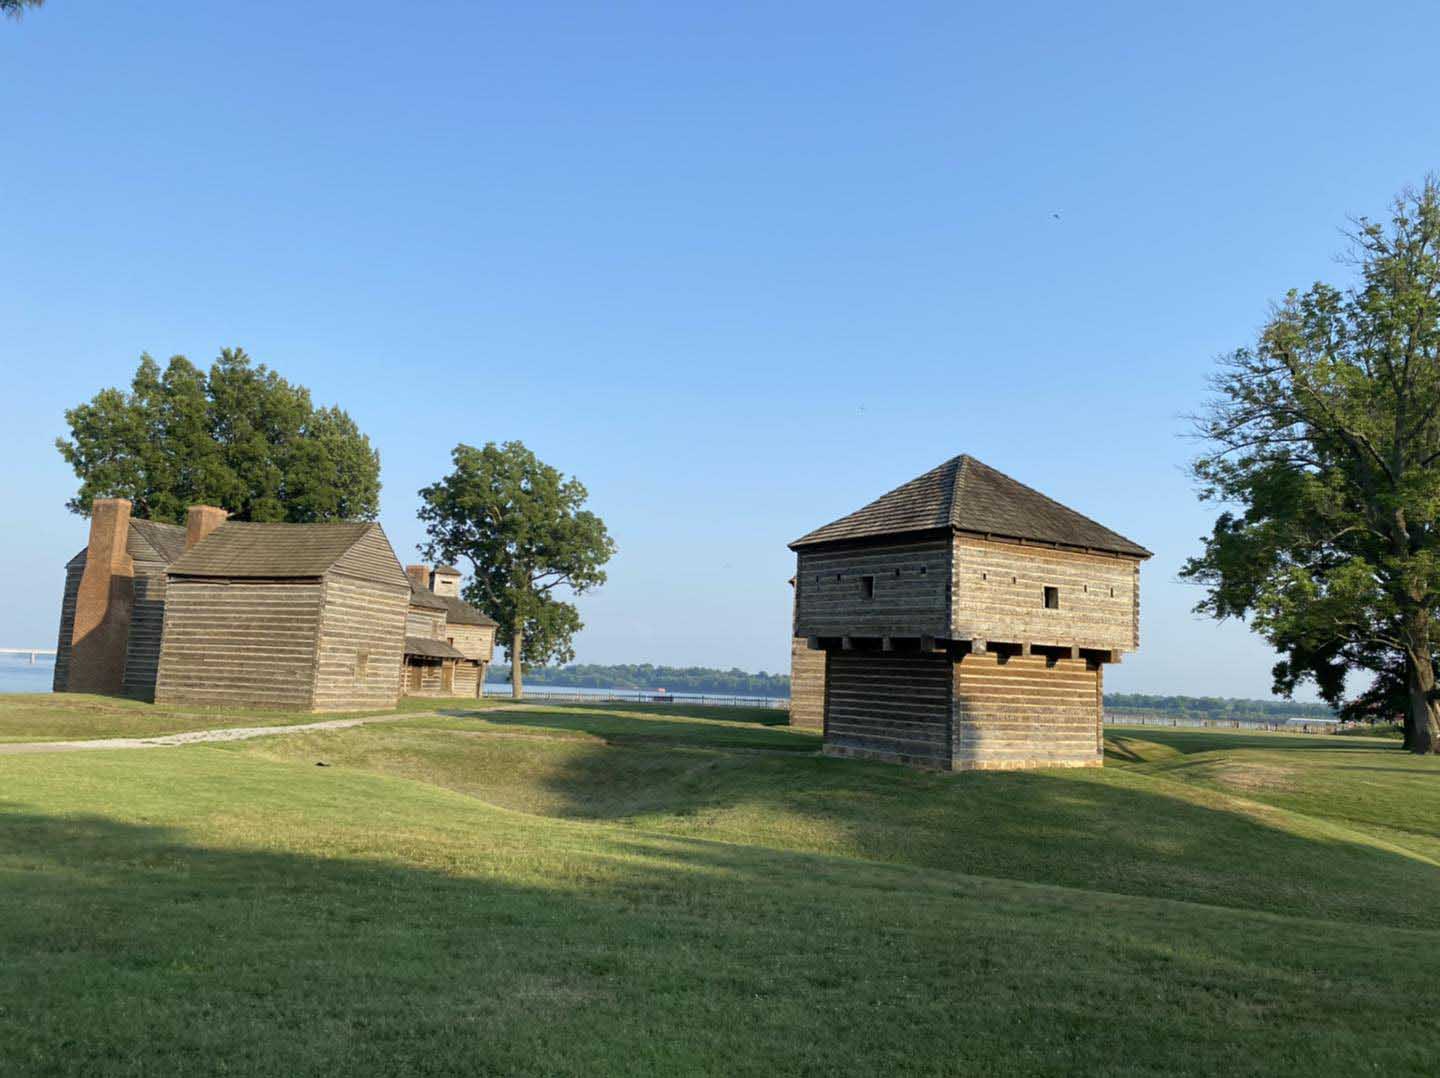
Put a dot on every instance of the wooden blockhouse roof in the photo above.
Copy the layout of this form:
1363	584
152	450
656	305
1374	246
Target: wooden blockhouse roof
244	550
966	495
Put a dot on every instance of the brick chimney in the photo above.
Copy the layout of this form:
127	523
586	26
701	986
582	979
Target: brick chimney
419	575
102	604
200	521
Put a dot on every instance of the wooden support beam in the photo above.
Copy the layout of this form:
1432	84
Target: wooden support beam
847	644
1025	648
1074	651
887	643
977	647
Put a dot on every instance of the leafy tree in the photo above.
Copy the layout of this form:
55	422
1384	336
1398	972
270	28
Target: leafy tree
521	525
1326	435
16	8
240	437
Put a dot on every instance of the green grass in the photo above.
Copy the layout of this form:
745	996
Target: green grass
612	890
83	717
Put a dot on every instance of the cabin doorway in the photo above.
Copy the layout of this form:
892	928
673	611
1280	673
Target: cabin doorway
447	678
416	672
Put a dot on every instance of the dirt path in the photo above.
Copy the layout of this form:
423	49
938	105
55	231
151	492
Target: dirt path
163	741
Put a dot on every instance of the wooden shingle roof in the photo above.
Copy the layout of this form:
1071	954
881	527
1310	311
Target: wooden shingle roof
966	495
168	540
426	598
243	550
459	612
431	649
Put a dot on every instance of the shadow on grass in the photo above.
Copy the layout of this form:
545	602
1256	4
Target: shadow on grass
1115	831
129	950
615	726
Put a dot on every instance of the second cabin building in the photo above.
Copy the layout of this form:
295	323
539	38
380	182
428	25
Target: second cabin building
962	621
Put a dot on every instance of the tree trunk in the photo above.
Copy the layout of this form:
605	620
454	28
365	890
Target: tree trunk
517	641
1424	724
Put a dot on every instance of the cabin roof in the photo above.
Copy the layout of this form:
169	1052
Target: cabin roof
964	494
447	570
242	549
459	612
423	596
431	649
166	540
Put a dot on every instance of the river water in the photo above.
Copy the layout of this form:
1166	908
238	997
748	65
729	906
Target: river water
17	675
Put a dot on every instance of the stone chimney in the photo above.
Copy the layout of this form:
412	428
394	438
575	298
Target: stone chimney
102	604
419	575
200	521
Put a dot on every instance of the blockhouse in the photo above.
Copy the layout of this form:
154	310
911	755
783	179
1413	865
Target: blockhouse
964	620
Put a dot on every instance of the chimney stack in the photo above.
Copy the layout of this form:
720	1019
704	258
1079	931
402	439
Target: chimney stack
200	521
419	575
445	580
102	604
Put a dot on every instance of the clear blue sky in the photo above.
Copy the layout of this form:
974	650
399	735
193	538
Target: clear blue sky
741	267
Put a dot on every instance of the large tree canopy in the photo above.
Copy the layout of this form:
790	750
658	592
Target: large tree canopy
240	437
16	8
522	527
1326	435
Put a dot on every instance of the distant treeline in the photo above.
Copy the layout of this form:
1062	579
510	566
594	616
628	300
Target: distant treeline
702	679
1218	707
737	682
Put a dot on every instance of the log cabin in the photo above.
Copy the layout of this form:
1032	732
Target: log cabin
448	643
219	613
965	621
304	617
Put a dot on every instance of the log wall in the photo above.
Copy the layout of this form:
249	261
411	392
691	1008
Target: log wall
239	644
423	622
1026	712
475	642
807	685
147	624
888	706
361	644
467	678
910	598
999	592
74	570
424	677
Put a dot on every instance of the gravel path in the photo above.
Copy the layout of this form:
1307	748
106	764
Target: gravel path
163	741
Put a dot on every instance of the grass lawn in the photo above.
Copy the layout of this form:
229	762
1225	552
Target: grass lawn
620	890
83	717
